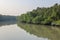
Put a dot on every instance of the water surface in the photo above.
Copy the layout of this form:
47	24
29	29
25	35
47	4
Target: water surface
9	30
44	31
13	32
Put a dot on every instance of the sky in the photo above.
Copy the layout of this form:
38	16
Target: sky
18	7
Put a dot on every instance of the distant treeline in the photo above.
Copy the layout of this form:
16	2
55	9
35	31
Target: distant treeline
7	18
49	16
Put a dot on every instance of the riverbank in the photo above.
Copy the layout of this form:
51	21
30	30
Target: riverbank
44	16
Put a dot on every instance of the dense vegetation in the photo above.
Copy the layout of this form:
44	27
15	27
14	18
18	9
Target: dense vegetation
50	16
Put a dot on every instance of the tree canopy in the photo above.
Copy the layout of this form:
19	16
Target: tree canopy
49	15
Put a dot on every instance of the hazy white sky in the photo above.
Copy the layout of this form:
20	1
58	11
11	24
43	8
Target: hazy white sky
17	7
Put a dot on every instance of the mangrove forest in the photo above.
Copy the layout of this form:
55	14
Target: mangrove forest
42	15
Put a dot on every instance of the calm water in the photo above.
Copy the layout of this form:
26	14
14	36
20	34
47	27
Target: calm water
10	31
42	31
13	32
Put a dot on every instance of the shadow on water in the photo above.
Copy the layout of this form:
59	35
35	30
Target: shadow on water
50	32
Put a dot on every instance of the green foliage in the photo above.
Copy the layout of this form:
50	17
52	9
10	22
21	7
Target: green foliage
42	15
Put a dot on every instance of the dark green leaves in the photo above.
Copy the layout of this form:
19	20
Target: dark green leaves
42	15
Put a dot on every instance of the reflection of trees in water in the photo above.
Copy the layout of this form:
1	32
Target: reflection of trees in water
49	32
7	23
7	20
